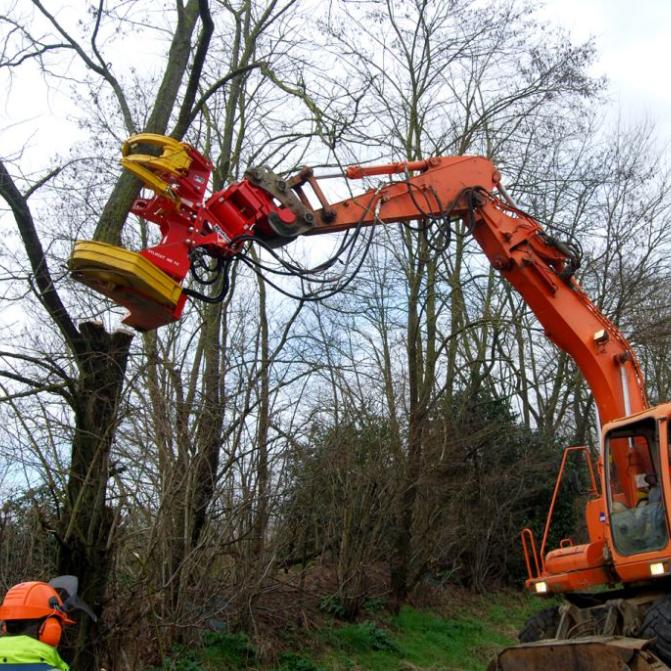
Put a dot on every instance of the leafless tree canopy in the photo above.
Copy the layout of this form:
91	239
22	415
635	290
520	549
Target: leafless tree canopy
406	426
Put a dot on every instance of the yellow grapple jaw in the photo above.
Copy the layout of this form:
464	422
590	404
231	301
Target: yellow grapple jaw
173	161
152	298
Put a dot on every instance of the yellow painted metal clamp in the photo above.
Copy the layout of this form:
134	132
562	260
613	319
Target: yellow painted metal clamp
174	160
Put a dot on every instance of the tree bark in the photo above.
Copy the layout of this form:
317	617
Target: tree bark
86	524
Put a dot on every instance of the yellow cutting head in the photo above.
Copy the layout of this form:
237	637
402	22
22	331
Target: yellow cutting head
151	297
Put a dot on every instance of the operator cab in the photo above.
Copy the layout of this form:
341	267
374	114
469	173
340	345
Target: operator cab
636	459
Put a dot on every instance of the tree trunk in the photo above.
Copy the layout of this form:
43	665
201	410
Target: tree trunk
86	531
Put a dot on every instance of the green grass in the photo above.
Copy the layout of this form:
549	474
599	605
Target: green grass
416	639
413	640
220	651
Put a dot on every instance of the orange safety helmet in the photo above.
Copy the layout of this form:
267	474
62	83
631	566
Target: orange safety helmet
37	601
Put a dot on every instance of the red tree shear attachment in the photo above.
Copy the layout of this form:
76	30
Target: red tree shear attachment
148	283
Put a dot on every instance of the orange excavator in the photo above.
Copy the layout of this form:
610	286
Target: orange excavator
615	613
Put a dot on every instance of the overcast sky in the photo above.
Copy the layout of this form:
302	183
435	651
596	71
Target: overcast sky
632	38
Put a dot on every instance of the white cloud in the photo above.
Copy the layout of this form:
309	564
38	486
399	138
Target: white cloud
632	40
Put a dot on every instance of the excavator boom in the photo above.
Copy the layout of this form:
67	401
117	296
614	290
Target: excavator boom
265	206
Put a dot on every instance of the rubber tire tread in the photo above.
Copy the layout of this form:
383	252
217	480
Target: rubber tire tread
657	625
542	624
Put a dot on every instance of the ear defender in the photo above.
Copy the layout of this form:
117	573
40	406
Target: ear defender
50	632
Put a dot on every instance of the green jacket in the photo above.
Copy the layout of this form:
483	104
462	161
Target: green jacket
25	650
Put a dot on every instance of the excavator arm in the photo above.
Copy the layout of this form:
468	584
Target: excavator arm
207	232
540	267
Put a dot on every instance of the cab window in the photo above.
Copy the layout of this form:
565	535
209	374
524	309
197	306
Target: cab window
637	509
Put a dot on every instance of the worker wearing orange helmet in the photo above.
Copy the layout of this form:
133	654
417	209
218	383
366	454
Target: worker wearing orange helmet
33	616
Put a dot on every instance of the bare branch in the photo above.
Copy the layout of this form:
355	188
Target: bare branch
47	291
186	116
40	183
37	389
99	68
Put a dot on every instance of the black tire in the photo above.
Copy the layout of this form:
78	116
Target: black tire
541	625
657	625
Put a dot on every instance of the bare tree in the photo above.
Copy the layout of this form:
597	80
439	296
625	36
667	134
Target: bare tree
92	378
447	78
